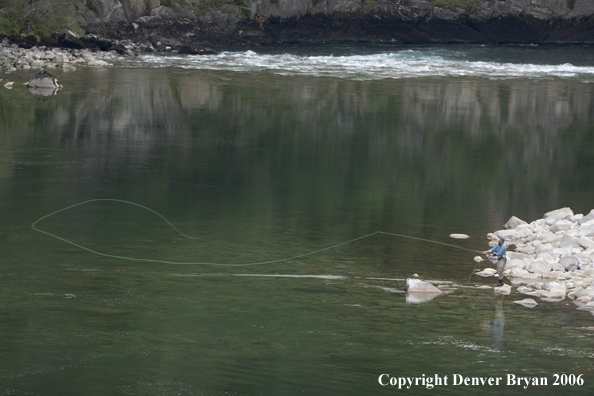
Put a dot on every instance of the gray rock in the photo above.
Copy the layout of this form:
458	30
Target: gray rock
44	79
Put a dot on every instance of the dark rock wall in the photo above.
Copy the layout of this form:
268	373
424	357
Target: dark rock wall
220	22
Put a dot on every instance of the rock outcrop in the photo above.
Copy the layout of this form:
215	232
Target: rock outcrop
326	21
194	25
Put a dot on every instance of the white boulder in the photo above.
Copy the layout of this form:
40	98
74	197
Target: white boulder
561	225
97	63
586	242
516	255
548	237
559	214
505	289
419	286
587	231
517	273
588	217
569	241
553	293
554	285
487	272
527	249
570	263
539	265
551	275
524	289
514	222
583	299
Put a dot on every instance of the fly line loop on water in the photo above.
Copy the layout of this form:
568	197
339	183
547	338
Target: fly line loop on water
174	228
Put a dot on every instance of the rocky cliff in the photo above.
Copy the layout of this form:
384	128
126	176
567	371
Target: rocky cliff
321	21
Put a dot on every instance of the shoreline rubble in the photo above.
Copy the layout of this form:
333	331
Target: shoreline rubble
550	258
67	50
13	58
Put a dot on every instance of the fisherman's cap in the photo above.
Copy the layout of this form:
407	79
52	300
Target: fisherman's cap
502	239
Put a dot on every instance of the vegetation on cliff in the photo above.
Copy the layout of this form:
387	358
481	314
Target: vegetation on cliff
39	16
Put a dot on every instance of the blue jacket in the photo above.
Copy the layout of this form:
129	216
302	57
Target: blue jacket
499	250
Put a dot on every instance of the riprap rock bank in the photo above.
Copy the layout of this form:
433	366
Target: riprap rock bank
553	257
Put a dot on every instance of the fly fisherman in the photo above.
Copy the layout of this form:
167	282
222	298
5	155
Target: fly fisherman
498	252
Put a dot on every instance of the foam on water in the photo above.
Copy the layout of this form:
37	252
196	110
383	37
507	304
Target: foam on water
374	66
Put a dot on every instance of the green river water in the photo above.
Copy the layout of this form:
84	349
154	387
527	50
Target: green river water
260	167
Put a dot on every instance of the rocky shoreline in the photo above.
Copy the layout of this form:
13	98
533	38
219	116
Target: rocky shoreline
552	258
13	58
68	54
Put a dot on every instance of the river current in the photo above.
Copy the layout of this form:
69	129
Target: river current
175	171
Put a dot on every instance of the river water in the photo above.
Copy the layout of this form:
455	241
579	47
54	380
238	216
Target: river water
207	225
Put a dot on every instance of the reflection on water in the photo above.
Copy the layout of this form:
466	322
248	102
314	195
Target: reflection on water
260	167
498	325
